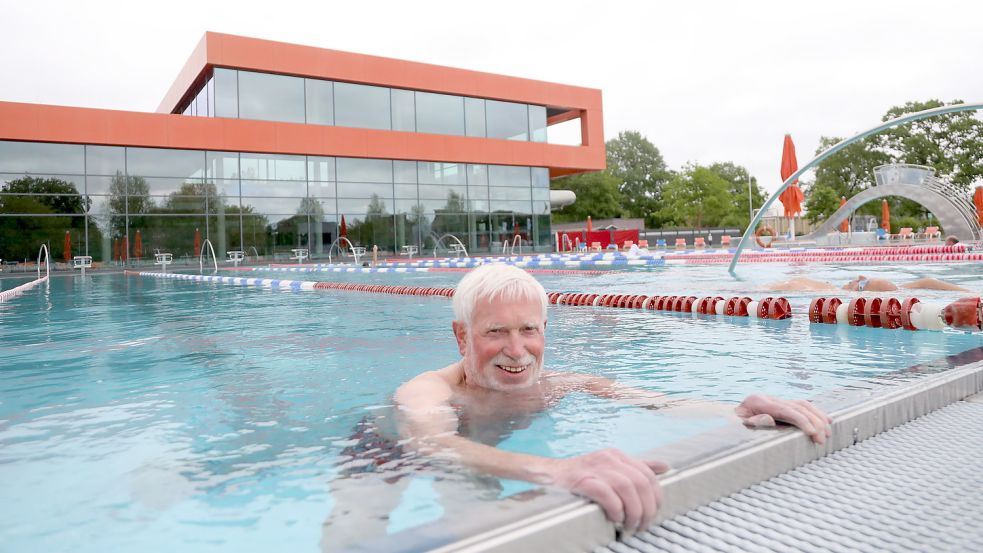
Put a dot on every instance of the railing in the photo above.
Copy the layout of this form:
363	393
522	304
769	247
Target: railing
565	243
517	241
357	251
201	255
18	290
456	247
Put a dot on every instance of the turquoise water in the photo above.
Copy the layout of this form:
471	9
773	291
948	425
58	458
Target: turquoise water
148	414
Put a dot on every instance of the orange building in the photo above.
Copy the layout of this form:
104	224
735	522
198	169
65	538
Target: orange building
266	147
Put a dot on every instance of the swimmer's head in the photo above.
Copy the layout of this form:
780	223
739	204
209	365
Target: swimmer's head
856	284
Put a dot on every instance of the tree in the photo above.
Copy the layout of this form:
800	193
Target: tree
697	197
952	144
642	172
597	196
851	170
38	219
737	178
821	202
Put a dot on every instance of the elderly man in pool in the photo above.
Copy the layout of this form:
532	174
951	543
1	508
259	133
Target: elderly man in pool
500	319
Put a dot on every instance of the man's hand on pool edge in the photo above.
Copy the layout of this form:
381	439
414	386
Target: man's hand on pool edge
758	410
625	488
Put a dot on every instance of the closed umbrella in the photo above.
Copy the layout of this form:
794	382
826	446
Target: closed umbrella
124	249
590	225
885	216
845	225
197	241
137	246
343	231
792	197
115	249
68	246
978	201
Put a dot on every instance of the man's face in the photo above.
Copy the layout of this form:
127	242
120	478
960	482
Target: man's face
503	349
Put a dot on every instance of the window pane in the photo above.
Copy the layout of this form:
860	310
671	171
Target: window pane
226	93
210	87
537	123
104	160
506	193
507	120
201	102
365	170
35	157
376	205
320	101
477	174
274	188
513	206
431	191
271	97
405	171
508	175
474	116
540	177
222	165
320	168
158	162
405	191
364	190
441	173
318	189
361	106
404	113
273	166
439	113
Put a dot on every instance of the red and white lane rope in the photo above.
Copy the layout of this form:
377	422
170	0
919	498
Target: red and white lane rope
893	313
8	295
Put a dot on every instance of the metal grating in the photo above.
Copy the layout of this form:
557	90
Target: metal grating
917	487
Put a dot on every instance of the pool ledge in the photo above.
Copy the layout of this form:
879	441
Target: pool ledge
581	526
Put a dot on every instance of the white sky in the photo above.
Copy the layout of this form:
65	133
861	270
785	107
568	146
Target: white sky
704	81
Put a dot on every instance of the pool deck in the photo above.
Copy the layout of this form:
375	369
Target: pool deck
902	472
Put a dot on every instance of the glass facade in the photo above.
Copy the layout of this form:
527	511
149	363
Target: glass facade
270	97
121	204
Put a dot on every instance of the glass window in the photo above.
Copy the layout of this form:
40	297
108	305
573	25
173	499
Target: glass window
375	205
477	174
226	93
474	116
35	157
227	189
406	206
365	170
404	171
508	193
404	112
441	173
405	191
320	168
320	101
508	175
210	87
441	191
361	106
222	165
507	120
439	113
540	177
104	160
159	162
102	185
271	97
273	167
541	194
317	189
364	190
162	186
41	184
293	189
537	123
513	206
201	102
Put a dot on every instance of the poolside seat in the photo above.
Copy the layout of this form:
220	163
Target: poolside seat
643	244
699	243
725	241
613	247
680	243
905	233
595	246
660	243
932	233
882	234
628	244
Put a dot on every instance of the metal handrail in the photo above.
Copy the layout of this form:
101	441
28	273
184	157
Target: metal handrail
201	256
752	225
515	241
340	251
47	261
460	245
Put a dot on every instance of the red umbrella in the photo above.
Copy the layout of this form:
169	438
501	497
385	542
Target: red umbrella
197	241
515	228
125	248
885	216
792	197
978	201
68	246
137	245
343	231
845	225
115	249
590	225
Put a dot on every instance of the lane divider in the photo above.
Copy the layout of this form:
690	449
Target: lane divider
892	313
8	295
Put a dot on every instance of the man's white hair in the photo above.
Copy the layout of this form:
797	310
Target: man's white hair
495	281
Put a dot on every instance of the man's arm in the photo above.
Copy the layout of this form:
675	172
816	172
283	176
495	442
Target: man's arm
757	410
625	488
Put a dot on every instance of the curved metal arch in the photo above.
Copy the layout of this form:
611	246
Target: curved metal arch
950	219
975	106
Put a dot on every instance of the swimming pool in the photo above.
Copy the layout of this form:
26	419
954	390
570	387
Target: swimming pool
138	413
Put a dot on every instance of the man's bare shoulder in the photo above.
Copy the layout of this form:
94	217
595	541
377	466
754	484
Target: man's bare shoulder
430	387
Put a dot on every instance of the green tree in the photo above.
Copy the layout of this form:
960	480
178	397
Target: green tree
849	171
597	196
820	203
952	144
737	178
697	197
38	219
642	172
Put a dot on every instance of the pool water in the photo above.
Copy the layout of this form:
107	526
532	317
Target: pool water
140	413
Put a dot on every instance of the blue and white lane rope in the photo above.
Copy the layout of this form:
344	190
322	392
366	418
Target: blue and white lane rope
273	284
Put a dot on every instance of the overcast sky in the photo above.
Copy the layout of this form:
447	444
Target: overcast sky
704	81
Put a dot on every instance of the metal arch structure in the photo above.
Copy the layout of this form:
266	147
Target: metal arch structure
975	106
949	217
